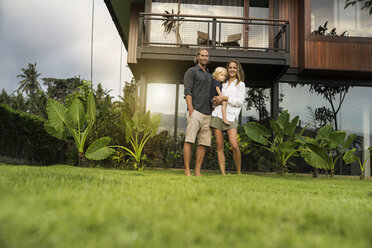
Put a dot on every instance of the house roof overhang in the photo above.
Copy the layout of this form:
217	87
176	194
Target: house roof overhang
120	13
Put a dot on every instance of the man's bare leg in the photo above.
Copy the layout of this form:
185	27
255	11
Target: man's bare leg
200	152
187	157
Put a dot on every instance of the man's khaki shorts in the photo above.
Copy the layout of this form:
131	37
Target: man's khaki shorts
198	125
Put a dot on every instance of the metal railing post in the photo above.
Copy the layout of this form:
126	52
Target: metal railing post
140	27
214	33
287	38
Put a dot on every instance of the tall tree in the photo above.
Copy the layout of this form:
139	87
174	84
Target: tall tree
29	84
331	93
256	99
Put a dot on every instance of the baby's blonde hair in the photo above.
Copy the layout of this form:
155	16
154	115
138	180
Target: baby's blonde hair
218	71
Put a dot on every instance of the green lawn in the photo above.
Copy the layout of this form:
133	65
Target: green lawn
62	206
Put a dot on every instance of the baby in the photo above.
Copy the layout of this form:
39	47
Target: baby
219	76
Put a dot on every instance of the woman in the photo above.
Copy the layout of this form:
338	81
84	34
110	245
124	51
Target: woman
233	92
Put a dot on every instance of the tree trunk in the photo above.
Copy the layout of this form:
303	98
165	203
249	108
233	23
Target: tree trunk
315	173
82	159
333	172
361	176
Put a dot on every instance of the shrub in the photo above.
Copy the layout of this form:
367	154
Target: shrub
23	136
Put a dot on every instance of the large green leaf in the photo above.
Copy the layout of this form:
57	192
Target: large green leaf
276	128
154	123
314	160
349	141
292	126
283	119
349	157
57	115
323	132
77	113
52	131
319	157
91	108
257	132
98	150
337	138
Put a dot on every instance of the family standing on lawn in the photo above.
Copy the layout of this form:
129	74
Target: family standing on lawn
213	102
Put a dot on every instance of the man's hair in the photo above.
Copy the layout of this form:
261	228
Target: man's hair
218	71
196	59
240	72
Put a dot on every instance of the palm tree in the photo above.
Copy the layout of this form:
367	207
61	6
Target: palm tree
172	23
29	82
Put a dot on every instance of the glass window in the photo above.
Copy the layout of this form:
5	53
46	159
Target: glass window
182	110
354	115
161	99
258	34
187	31
257	104
353	20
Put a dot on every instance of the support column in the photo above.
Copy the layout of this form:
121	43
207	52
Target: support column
274	100
367	136
176	110
143	94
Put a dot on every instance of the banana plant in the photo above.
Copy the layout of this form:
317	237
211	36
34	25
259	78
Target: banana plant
138	130
326	148
78	123
350	158
285	143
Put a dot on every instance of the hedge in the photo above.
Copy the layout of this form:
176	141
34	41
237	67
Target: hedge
23	136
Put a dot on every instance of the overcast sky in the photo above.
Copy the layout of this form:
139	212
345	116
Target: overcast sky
56	34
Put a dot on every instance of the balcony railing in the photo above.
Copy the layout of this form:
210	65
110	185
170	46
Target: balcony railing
190	31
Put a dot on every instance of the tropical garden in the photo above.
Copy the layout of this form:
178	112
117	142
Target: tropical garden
117	181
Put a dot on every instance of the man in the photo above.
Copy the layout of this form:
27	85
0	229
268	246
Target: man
197	82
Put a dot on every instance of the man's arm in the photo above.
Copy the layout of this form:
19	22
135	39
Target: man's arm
189	104
188	82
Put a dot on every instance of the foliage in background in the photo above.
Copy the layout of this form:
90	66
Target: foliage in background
29	83
284	144
23	136
367	4
326	148
350	158
77	122
138	130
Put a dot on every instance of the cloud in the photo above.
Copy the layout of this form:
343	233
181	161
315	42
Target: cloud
56	35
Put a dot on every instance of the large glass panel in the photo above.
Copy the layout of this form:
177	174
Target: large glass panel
161	99
257	105
354	115
258	34
182	110
191	32
352	20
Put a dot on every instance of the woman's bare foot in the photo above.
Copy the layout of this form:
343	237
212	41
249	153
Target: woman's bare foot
187	173
198	174
226	121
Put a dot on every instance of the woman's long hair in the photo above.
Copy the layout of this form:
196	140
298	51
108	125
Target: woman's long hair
239	73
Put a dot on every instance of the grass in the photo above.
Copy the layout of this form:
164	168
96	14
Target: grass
62	206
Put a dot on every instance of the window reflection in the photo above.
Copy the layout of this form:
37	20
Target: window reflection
189	30
257	104
161	99
354	115
352	19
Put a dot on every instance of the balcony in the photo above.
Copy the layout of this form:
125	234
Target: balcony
259	44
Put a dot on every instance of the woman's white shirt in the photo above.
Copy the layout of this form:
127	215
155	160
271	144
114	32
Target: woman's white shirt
236	95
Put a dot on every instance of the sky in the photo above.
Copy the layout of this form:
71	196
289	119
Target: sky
57	36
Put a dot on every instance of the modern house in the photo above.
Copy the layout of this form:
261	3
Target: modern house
291	62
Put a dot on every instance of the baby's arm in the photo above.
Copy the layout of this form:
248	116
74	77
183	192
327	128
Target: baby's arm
218	91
